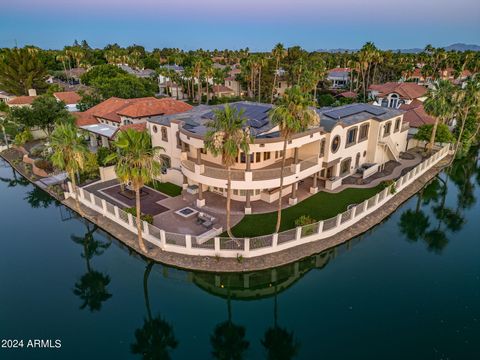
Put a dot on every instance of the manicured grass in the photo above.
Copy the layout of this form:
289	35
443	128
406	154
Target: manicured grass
166	188
320	206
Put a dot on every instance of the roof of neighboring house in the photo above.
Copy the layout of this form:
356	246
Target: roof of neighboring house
175	67
406	90
348	94
415	114
340	70
68	97
221	89
112	108
137	126
75	72
352	114
139	73
22	100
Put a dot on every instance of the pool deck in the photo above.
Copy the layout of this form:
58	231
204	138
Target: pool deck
213	264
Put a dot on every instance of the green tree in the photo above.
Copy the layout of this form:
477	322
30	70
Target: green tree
101	72
69	152
442	133
138	163
21	70
226	137
278	53
294	114
124	86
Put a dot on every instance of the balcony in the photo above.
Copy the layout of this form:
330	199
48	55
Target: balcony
267	177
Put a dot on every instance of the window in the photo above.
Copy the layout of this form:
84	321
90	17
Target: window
387	128
155	129
243	158
397	124
393	101
352	136
335	144
258	157
345	166
322	147
166	163
203	151
164	134
357	160
364	153
364	131
266	156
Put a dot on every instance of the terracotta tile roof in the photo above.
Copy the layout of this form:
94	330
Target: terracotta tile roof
221	89
83	118
348	94
340	69
152	107
68	97
138	127
415	114
406	90
22	100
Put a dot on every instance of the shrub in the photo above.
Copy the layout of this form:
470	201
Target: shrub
44	165
306	222
102	154
145	217
23	137
37	151
389	184
90	167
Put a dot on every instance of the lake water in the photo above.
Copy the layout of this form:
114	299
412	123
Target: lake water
407	289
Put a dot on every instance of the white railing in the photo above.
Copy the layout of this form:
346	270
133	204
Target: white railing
212	245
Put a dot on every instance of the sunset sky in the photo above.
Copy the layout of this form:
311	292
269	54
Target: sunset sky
258	24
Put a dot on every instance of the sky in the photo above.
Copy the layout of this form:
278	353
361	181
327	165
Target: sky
235	24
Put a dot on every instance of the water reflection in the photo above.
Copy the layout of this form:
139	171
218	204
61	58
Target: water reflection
434	229
155	339
37	198
92	286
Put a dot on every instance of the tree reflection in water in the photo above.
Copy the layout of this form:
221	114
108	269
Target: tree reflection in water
155	339
92	286
417	225
38	198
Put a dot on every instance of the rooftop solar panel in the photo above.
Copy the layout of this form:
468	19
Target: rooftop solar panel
354	109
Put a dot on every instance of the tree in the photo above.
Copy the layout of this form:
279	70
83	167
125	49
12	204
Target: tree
442	134
155	338
124	86
278	52
100	73
69	152
21	70
294	113
226	137
137	164
439	105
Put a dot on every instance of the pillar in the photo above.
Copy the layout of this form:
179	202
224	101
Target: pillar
314	188
200	200
248	206
199	156
184	182
293	197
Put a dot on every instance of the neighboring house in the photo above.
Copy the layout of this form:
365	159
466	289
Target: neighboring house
141	73
322	156
70	98
339	77
416	116
348	95
105	119
393	94
232	82
281	86
221	91
417	77
5	96
21	101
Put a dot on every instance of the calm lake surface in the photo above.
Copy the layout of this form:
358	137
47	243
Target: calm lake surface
408	289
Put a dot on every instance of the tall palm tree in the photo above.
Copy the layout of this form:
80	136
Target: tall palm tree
278	53
439	105
69	153
197	70
155	338
293	114
262	62
137	163
227	136
208	71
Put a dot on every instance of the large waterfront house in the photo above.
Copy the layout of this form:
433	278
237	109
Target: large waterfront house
351	138
103	121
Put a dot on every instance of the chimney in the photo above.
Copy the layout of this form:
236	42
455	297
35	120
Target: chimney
32	92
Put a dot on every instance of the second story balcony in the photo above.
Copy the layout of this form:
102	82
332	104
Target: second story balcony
212	174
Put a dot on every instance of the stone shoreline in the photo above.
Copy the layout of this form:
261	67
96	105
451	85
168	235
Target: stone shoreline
213	264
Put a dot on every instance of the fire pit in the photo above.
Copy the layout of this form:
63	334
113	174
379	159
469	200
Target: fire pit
186	212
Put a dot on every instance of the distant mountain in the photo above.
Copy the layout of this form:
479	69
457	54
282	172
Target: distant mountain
453	47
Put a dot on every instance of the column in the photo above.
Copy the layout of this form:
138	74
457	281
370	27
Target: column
293	197
184	182
314	188
200	199
248	206
199	156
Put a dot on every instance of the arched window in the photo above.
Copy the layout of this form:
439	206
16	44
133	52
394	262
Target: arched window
164	134
155	129
345	166
393	101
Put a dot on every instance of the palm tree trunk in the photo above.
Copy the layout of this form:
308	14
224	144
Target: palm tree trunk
139	220
432	136
207	91
274	82
460	134
148	269
5	137
229	200
259	84
199	89
279	214
75	190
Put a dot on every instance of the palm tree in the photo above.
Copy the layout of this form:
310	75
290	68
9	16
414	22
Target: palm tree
278	53
208	71
137	163
414	223
69	153
155	338
262	62
227	136
439	105
293	114
197	70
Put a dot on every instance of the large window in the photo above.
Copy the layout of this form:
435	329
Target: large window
352	136
258	157
335	144
322	147
266	156
164	134
397	124
364	132
387	128
394	101
345	166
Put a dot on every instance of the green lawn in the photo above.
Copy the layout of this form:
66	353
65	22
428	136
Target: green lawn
166	188
320	206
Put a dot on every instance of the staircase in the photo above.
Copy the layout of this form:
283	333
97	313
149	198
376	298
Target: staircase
387	141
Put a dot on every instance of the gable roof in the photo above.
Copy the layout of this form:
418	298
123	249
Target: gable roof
406	90
68	97
22	100
415	114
